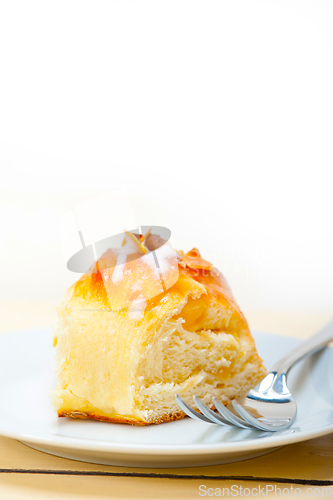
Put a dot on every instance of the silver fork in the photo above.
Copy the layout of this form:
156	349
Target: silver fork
270	406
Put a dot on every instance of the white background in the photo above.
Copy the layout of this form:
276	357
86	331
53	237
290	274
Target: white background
217	116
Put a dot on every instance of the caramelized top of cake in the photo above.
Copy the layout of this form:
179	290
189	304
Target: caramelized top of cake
126	276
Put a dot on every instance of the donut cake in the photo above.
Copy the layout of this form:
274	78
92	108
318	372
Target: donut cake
125	345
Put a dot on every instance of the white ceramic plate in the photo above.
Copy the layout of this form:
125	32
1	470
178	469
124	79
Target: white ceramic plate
27	378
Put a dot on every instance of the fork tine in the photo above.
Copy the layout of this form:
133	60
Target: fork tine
258	423
190	412
209	413
233	419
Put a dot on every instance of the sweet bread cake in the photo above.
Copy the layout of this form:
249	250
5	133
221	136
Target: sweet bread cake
126	346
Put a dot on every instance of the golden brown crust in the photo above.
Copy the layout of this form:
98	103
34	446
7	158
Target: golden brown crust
95	416
119	419
91	287
179	415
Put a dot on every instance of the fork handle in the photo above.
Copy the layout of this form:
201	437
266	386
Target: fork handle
309	346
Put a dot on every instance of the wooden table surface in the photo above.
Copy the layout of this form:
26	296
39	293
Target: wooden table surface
303	469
